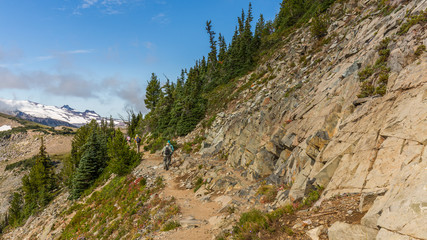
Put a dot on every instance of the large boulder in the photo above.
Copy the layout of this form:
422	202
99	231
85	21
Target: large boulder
341	230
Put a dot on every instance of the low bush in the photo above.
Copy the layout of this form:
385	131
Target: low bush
171	225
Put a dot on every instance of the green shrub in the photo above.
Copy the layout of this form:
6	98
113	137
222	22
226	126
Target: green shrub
171	225
420	50
411	21
199	182
279	212
367	89
319	26
250	224
187	147
23	164
380	71
268	193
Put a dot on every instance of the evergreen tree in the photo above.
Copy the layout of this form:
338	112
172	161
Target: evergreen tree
15	211
222	49
39	183
91	164
152	93
77	150
212	56
122	158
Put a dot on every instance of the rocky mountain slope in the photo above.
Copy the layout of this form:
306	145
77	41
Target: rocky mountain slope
299	122
48	115
20	145
306	126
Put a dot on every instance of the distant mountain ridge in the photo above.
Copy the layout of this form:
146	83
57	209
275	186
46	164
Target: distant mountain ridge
47	115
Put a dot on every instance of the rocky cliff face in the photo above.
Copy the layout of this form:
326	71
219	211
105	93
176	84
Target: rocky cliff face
302	123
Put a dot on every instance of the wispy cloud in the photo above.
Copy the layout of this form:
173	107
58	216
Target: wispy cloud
133	94
109	7
88	3
160	18
12	54
70	52
75	85
78	51
45	58
55	84
149	45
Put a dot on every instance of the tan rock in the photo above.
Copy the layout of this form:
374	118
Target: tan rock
341	230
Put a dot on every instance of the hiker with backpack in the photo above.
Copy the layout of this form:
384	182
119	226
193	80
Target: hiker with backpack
138	141
167	153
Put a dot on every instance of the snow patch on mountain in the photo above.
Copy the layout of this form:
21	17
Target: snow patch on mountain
5	128
37	112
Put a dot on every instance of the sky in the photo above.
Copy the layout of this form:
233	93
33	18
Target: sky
99	54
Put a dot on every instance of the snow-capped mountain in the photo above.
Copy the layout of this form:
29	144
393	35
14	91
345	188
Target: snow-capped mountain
48	115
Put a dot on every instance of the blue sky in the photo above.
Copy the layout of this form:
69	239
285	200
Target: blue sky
99	54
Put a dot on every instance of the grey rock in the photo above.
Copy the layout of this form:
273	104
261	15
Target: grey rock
352	69
325	174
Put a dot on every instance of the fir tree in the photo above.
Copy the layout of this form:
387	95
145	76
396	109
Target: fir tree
15	211
91	164
152	93
39	183
213	53
122	158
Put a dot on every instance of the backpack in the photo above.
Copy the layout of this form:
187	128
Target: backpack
168	151
138	139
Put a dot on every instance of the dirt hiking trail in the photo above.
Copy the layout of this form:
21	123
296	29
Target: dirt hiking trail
194	214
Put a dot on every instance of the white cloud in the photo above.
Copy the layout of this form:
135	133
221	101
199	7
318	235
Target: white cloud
13	54
45	58
64	53
160	18
88	3
109	7
78	51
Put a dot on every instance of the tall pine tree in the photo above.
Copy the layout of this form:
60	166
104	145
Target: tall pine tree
122	158
152	93
39	184
92	163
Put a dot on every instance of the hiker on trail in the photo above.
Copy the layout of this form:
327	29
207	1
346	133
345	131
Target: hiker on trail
128	140
138	141
167	153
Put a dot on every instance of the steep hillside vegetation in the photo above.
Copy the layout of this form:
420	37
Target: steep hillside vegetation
18	148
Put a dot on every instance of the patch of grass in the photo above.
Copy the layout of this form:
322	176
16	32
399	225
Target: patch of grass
199	182
288	231
293	89
208	123
22	165
280	212
250	224
121	208
268	192
193	146
171	225
385	8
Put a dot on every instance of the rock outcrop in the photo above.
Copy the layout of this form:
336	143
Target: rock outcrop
307	126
